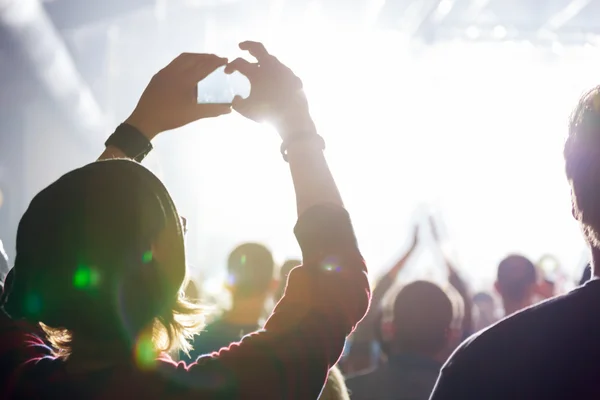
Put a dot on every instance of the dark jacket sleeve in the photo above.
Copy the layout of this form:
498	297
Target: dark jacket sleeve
458	378
324	300
290	358
448	386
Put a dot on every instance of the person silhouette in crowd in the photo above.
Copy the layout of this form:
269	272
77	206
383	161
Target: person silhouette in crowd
485	311
363	353
551	350
546	288
368	346
251	283
100	263
516	283
426	327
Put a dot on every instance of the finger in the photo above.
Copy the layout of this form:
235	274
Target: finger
244	107
241	105
256	49
214	110
173	65
238	101
243	66
201	111
186	62
183	61
178	60
204	66
193	59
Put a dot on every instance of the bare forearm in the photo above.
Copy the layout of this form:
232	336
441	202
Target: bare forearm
400	264
312	178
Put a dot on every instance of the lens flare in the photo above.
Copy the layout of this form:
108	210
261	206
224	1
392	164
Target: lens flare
145	353
85	277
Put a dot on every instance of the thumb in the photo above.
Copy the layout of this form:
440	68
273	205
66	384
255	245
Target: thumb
238	102
251	109
214	110
209	111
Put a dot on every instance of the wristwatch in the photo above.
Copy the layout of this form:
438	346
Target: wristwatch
130	141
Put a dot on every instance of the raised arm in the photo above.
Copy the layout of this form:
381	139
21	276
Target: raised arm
328	295
387	280
458	283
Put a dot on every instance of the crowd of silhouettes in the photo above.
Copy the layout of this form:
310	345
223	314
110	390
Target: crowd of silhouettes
99	302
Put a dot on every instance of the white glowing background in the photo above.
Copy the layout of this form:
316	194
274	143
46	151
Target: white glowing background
474	130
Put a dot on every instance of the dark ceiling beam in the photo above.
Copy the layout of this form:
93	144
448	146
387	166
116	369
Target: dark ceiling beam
36	40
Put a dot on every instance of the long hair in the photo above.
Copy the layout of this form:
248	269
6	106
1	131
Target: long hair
85	261
335	387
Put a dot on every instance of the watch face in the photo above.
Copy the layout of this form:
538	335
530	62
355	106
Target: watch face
133	143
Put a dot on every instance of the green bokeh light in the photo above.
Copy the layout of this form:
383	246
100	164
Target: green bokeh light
147	257
145	354
85	277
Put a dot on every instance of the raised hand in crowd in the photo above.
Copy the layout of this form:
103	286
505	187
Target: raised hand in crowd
456	281
276	95
388	279
362	355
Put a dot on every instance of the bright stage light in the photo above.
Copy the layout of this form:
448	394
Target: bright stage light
444	7
475	130
499	32
558	49
472	32
470	129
